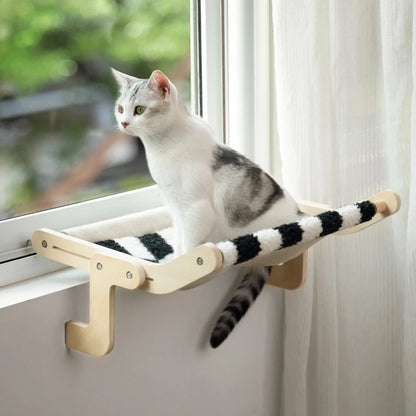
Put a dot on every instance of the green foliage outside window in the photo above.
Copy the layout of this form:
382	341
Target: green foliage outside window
42	41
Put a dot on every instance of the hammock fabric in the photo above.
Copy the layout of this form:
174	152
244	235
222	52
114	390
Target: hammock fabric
158	247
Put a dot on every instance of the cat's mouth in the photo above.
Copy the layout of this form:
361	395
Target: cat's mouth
124	128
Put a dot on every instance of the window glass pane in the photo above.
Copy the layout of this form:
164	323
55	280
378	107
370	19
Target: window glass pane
58	138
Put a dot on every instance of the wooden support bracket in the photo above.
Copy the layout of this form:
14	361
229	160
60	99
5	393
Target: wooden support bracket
291	274
106	272
108	269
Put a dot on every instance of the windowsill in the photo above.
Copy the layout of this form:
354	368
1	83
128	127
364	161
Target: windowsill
41	286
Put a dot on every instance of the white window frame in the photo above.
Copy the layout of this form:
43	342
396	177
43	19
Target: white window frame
227	35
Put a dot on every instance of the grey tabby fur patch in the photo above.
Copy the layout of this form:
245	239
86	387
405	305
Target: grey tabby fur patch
256	193
135	88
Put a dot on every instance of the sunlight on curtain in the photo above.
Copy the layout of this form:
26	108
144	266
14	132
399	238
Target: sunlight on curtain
346	115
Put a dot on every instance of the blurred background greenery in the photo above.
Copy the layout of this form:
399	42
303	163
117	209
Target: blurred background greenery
58	140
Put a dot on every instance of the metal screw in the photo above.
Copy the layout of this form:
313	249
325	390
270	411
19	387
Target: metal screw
44	244
129	275
99	266
200	261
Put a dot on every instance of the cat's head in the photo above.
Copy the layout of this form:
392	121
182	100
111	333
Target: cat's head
145	106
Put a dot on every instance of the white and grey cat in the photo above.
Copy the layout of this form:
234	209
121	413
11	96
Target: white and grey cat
213	192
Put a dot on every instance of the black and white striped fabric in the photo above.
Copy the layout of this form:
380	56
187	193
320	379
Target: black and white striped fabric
158	247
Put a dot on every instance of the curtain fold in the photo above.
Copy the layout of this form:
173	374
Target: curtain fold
346	118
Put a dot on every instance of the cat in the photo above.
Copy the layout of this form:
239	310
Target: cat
213	192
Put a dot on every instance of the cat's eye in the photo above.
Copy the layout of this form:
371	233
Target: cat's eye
120	109
139	110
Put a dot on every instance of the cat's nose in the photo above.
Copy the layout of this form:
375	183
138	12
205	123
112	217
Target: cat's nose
124	124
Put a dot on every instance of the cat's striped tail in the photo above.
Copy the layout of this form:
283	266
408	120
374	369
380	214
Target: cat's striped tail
246	293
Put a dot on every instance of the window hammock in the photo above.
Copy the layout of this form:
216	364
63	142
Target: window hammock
140	255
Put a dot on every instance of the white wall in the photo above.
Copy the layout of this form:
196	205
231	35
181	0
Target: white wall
161	363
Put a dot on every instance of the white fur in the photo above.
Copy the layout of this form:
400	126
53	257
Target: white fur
137	224
269	239
351	215
312	228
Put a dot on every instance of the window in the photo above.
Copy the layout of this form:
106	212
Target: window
58	140
84	106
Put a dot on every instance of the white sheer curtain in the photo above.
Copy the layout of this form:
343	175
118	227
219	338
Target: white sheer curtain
346	114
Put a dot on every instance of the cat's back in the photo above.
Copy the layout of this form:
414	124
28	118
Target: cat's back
246	198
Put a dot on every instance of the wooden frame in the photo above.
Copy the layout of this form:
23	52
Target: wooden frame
109	268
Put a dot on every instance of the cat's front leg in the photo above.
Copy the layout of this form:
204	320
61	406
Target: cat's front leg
178	242
198	223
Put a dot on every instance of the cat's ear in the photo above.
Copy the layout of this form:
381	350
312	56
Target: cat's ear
160	83
122	79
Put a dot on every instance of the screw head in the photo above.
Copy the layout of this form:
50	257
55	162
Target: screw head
129	275
44	244
99	266
200	261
